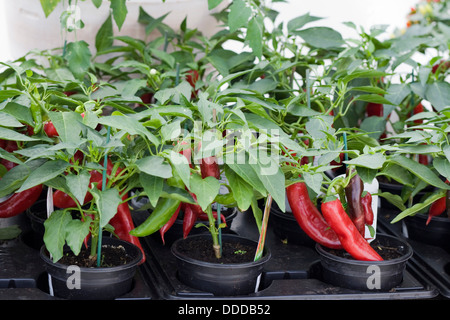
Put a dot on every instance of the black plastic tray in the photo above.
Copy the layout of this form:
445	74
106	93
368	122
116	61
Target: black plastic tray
23	275
294	272
433	261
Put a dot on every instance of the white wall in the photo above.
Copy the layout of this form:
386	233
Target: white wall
362	12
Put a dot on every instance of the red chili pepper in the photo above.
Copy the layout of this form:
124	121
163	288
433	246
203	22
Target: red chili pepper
190	217
19	202
123	224
170	223
309	217
418	109
209	167
366	202
436	209
50	130
353	193
374	109
351	239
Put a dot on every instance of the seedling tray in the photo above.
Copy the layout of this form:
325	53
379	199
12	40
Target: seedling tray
294	272
23	275
432	261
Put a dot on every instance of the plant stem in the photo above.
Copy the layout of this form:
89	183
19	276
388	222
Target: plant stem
214	233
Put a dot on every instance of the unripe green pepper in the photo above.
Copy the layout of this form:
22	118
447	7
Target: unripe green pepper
158	218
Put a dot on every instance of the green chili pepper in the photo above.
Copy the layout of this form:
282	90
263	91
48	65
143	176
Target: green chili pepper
36	112
158	218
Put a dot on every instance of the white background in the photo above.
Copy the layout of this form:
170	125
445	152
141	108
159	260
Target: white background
364	13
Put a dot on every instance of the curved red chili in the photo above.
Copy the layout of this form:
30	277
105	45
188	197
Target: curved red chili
366	202
19	202
353	193
436	209
309	217
352	241
170	223
209	167
123	224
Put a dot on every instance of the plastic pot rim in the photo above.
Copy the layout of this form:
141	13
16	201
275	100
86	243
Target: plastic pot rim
404	257
266	254
45	256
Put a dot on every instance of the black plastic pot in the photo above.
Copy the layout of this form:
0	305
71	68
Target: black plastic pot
221	279
287	229
95	283
366	275
436	233
37	214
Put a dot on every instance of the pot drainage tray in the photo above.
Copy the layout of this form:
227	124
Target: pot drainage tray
293	272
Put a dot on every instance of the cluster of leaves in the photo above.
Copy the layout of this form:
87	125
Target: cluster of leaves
299	93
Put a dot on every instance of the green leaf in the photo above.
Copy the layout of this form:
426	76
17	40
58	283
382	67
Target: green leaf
103	39
213	4
371	161
8	134
55	233
246	172
76	232
9	93
67	124
181	165
442	165
107	202
155	165
375	98
299	22
78	57
255	34
130	125
18	111
206	189
48	6
321	37
10	232
419	206
238	15
438	94
152	186
273	180
7	120
78	184
420	170
119	10
47	171
242	191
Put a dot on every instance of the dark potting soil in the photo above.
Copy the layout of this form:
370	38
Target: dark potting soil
385	251
201	250
112	256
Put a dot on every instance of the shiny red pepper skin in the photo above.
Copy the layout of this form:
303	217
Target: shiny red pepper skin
170	223
366	202
309	217
123	224
190	217
210	168
374	109
437	208
50	129
352	241
19	202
